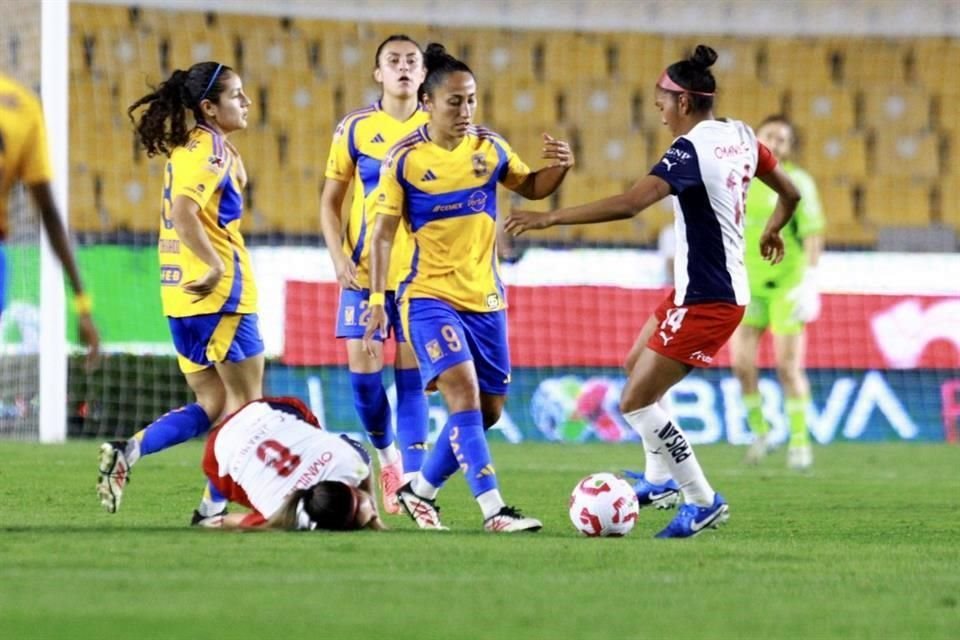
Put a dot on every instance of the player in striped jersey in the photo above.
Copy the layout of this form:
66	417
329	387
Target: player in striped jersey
274	457
707	170
207	285
359	144
23	158
441	181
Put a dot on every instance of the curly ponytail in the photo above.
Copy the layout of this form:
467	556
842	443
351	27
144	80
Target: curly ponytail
182	91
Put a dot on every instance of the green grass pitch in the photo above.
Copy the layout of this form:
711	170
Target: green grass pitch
865	546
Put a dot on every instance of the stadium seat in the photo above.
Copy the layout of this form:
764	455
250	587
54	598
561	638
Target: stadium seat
867	62
915	155
843	227
797	64
523	104
933	64
949	200
831	153
82	212
818	108
897	201
606	105
641	58
615	154
896	107
749	101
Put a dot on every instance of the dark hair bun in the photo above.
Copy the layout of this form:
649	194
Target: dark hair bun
703	57
435	50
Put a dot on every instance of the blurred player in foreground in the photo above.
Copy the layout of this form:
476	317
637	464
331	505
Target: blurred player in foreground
707	170
23	158
783	298
274	457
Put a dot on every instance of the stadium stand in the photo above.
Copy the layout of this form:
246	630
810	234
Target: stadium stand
879	124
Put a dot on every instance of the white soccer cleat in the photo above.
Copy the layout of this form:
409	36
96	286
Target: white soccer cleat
114	475
510	520
423	511
800	458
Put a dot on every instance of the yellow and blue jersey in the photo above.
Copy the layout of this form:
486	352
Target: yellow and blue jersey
359	145
210	174
23	142
448	200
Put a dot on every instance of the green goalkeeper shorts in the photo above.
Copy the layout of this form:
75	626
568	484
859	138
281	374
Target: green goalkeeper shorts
773	310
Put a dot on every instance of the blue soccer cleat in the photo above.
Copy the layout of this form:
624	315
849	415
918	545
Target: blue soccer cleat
661	496
691	520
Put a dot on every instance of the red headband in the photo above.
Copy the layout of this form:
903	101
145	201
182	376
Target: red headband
667	84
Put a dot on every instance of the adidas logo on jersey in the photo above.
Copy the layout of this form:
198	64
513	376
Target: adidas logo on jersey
377	139
428	176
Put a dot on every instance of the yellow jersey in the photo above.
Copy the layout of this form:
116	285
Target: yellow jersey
359	144
23	142
448	200
208	172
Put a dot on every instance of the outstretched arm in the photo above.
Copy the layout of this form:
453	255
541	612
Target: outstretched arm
542	183
646	191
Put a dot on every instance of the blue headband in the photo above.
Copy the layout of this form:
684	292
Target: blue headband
213	79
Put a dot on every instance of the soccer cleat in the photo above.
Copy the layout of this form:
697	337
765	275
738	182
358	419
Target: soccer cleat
391	477
423	511
800	458
661	496
510	520
114	474
210	522
692	520
759	449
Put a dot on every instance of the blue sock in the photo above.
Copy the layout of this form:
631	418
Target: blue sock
172	428
469	445
370	399
412	421
440	464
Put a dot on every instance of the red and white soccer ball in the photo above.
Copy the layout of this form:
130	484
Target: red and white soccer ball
603	505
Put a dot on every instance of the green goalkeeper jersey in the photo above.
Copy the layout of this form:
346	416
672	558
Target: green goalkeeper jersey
807	220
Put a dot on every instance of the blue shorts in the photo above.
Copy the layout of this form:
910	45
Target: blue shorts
352	315
443	337
3	277
203	340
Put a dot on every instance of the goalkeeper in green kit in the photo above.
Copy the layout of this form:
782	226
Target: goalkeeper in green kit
784	298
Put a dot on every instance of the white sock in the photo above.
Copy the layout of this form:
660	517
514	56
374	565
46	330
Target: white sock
132	451
490	503
656	469
388	455
666	438
409	476
423	488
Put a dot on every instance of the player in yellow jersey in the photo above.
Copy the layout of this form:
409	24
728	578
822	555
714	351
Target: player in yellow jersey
23	158
206	279
359	145
441	181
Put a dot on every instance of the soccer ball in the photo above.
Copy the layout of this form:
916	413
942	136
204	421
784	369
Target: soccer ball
603	505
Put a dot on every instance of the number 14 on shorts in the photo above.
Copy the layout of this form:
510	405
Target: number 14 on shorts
671	324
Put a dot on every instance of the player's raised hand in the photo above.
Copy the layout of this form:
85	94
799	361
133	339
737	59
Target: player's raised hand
558	151
206	284
771	246
376	320
520	220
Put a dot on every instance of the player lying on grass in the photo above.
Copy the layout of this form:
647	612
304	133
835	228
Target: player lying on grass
274	457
